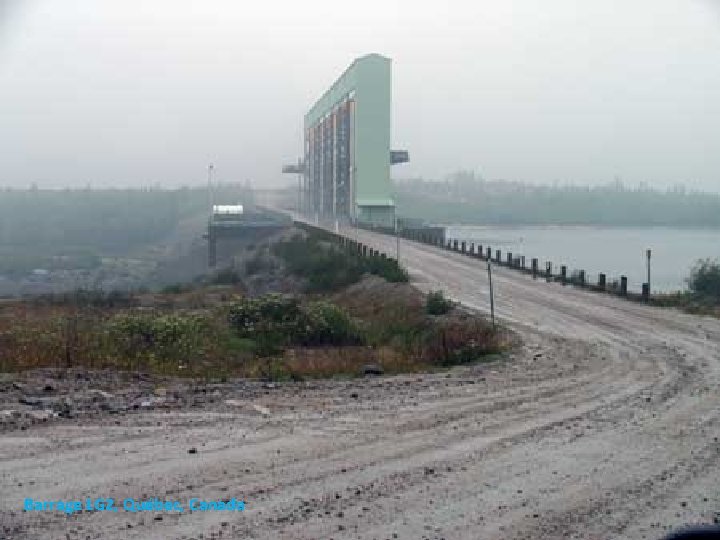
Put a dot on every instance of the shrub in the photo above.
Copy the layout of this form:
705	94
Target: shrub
267	313
460	342
149	338
271	321
437	304
324	323
274	321
327	268
704	280
324	268
388	269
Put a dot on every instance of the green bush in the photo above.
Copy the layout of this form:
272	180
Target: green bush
437	304
327	268
324	323
274	321
271	321
324	268
150	338
388	269
704	280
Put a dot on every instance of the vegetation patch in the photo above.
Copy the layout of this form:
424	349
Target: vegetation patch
437	304
704	280
394	316
157	342
274	322
703	294
272	336
352	311
466	197
326	267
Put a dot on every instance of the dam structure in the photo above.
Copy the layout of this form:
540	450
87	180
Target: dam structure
344	175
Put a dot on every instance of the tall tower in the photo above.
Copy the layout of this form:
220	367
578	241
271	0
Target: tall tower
347	147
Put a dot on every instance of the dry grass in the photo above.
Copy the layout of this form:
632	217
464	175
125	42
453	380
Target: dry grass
347	361
398	335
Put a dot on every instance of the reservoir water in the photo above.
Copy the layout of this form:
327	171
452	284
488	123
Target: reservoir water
615	251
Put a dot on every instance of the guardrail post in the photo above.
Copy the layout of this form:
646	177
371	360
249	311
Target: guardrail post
534	267
498	256
509	258
623	286
563	274
463	246
489	253
522	261
581	277
602	279
548	270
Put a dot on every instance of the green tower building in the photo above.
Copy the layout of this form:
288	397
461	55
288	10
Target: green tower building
346	169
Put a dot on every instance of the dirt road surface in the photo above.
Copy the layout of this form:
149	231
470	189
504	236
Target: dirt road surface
604	424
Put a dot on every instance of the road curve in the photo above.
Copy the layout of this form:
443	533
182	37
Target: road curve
604	423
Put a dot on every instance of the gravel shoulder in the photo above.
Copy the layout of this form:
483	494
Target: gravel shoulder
605	422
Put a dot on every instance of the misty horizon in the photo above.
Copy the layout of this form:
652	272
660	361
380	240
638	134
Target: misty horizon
111	95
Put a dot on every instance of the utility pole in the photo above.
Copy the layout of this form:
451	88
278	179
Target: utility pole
648	253
209	187
301	186
492	295
397	241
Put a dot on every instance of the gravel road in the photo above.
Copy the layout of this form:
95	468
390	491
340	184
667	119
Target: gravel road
604	423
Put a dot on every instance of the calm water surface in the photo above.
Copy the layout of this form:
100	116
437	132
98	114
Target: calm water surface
613	250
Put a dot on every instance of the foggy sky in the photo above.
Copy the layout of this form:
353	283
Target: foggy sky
132	92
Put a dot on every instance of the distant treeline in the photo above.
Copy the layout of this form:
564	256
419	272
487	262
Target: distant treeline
465	198
41	228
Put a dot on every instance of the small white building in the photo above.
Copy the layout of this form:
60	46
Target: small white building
227	209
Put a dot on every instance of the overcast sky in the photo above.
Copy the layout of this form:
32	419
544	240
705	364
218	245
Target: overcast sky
133	92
